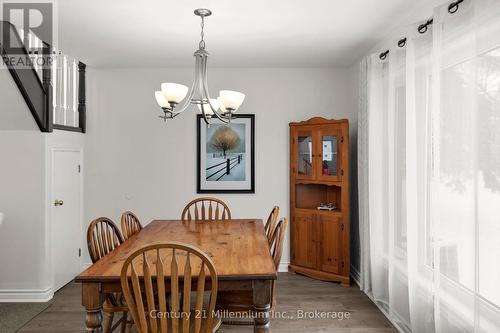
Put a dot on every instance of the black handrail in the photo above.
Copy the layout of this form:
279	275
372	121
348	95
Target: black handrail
36	91
33	90
82	106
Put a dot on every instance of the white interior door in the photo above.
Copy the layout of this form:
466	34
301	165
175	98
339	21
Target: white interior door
66	226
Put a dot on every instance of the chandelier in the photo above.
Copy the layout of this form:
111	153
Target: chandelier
172	94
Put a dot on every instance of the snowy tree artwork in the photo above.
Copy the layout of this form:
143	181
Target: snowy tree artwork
225	156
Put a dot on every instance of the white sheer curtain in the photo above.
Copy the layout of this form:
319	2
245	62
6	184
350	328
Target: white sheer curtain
429	174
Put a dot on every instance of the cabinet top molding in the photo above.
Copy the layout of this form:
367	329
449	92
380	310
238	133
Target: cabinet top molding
318	121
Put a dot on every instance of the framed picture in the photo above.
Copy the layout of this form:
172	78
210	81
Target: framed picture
226	155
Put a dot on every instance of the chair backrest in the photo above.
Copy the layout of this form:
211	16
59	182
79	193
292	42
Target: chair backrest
103	236
271	223
146	289
277	241
206	209
130	224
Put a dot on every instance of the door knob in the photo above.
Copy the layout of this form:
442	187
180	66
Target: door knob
58	203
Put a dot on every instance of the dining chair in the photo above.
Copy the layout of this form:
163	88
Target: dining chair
103	236
206	209
130	224
277	241
168	277
271	223
242	300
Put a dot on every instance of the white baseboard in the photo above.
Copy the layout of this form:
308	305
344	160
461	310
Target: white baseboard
29	296
283	267
355	275
26	296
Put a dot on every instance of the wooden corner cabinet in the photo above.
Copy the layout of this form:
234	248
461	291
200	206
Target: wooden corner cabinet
319	175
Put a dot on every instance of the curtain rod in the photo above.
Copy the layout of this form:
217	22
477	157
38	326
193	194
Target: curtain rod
422	29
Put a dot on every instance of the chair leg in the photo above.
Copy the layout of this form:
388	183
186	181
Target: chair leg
109	322
124	323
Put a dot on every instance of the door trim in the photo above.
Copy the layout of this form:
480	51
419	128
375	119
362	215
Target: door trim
49	195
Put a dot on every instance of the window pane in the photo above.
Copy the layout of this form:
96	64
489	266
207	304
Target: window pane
330	164
455	227
305	155
488	186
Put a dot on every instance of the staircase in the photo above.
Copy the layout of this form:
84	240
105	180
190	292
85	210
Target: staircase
33	65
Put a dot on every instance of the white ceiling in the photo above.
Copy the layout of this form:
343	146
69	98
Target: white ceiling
251	33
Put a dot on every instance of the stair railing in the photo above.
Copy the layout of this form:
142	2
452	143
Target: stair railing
52	83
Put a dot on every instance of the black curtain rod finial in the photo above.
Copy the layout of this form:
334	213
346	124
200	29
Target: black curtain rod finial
453	7
424	26
383	55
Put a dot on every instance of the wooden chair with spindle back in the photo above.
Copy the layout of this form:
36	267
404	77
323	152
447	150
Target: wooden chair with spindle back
242	301
159	278
211	209
271	223
130	224
103	236
277	241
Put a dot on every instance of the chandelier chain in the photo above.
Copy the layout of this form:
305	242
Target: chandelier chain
202	41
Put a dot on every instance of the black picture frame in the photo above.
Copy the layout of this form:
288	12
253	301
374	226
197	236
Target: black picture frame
200	122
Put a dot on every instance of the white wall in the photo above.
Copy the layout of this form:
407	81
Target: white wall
354	239
22	200
135	161
14	113
25	241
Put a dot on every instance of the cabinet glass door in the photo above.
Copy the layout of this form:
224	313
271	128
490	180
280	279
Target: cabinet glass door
305	154
329	164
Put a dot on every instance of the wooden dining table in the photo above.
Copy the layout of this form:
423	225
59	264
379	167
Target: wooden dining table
238	248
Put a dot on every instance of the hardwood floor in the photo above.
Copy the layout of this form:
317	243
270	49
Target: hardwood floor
295	293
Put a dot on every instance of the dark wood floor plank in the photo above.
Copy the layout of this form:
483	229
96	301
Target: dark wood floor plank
295	293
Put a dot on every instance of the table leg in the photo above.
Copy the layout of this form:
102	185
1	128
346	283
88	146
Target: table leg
262	305
92	300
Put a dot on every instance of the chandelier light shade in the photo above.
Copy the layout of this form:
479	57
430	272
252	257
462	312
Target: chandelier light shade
173	94
161	100
230	100
207	109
